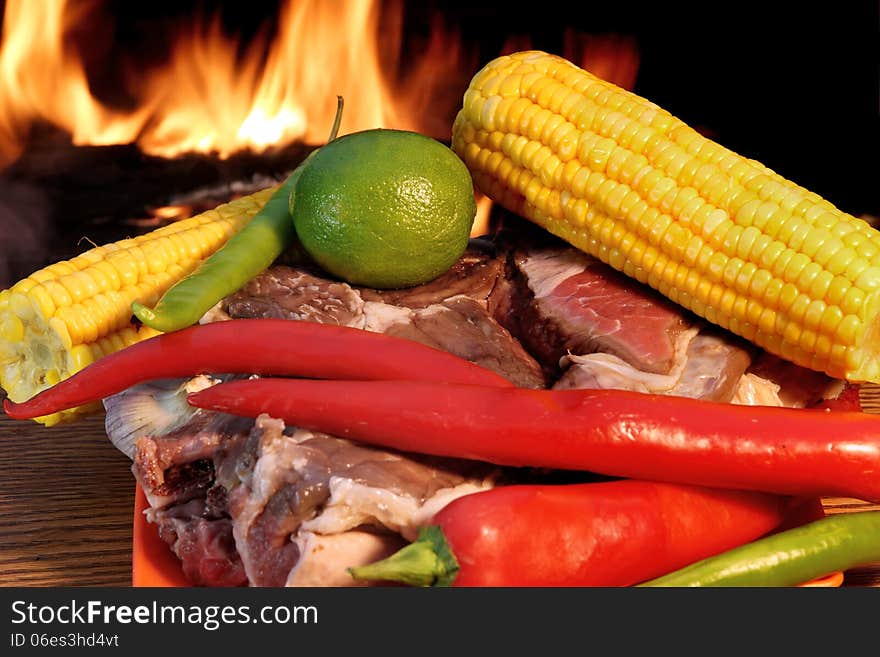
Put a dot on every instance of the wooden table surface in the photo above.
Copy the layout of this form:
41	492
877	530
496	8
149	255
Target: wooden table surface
67	497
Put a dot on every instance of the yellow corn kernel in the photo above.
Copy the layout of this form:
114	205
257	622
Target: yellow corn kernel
635	187
64	316
11	328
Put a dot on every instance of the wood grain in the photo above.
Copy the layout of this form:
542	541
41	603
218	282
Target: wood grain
66	504
67	496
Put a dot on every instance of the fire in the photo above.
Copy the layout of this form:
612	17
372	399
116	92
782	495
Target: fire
211	98
215	97
482	220
612	57
41	80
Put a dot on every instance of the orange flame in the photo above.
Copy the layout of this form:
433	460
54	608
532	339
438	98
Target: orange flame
210	99
482	220
612	57
40	79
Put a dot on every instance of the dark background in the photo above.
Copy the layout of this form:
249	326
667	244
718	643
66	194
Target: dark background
793	85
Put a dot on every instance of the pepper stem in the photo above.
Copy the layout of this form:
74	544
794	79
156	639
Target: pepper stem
428	561
337	119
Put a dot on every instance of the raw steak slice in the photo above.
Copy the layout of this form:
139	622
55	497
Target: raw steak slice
204	544
474	275
457	323
177	466
707	366
283	292
288	480
461	326
564	302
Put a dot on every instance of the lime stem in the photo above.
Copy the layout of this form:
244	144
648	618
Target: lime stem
337	120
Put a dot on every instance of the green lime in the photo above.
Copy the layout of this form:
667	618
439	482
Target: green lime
384	208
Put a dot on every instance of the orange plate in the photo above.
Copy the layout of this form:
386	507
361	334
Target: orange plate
153	563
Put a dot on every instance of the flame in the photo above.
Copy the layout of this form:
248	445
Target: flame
212	98
160	216
482	223
172	212
41	79
613	57
215	97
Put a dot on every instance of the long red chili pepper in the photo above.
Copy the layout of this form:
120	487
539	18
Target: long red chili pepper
615	533
256	346
655	437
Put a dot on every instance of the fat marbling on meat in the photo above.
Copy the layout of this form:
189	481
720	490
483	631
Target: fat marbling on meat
461	326
593	327
265	497
578	305
474	275
287	480
439	314
707	366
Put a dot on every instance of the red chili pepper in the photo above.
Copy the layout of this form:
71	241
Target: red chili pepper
788	451
256	346
616	533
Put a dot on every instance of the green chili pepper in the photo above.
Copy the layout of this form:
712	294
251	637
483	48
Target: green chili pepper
245	255
788	558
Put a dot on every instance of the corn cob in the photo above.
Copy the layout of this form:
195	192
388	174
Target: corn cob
720	234
67	315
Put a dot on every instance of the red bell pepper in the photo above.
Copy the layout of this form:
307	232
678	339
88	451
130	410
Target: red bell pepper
616	533
809	453
256	346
